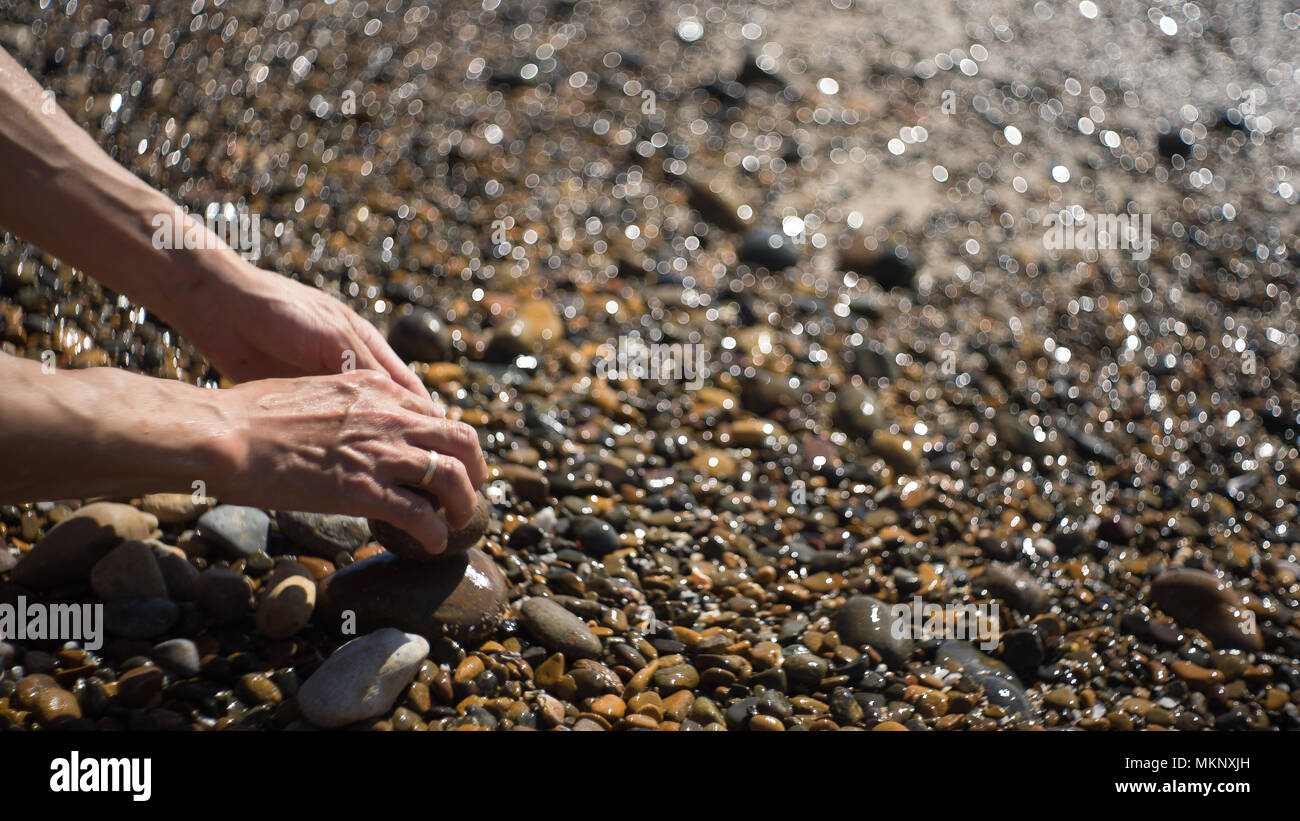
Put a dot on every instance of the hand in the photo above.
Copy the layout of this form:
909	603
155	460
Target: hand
351	443
258	325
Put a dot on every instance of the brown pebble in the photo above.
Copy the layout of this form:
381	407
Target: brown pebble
30	686
610	707
765	723
287	608
889	726
53	703
257	688
140	687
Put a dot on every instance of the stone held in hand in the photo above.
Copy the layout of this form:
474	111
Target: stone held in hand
463	597
458	541
363	678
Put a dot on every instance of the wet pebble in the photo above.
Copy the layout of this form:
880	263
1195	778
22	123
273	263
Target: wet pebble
363	678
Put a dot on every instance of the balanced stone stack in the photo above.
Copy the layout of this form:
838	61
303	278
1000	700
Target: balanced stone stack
459	593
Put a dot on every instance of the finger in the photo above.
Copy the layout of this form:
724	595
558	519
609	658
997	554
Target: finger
450	485
414	513
388	360
455	439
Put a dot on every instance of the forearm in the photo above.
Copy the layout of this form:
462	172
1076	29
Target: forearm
61	191
106	432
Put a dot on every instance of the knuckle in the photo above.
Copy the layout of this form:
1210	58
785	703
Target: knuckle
456	476
464	436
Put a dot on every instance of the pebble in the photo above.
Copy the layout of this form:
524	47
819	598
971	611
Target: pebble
597	537
463	597
1203	602
899	452
323	534
128	571
557	629
420	336
141	686
363	678
769	248
180	577
1016	587
676	677
224	594
868	620
180	656
528	484
239	531
54	703
892	266
257	688
1000	684
174	508
66	554
286	609
858	409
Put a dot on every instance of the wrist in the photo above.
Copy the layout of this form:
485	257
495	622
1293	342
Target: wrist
167	436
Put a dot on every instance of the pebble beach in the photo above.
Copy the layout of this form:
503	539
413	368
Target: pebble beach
798	414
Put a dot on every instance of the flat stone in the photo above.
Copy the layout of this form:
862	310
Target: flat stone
65	555
239	531
323	534
557	629
363	678
175	508
462	597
